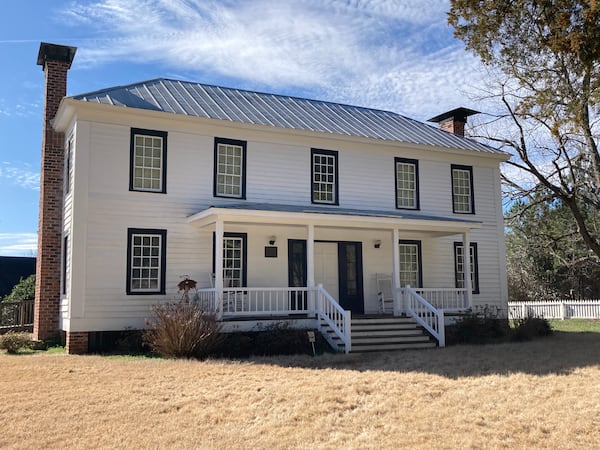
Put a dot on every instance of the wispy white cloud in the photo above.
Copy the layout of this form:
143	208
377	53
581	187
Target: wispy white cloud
19	109
392	54
18	244
22	175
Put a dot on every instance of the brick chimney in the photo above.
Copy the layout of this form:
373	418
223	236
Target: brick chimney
453	121
55	61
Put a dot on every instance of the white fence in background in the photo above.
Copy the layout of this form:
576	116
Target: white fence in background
560	309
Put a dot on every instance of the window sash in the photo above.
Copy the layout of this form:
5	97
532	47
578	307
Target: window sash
459	264
406	184
229	170
462	194
324	178
410	273
148	162
145	263
233	261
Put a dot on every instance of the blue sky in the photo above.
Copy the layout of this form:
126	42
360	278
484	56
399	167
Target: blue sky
397	55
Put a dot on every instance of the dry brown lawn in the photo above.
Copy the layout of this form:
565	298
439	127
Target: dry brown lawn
543	394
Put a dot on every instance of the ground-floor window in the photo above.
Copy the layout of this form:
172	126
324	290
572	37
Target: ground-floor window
459	266
410	263
146	261
234	259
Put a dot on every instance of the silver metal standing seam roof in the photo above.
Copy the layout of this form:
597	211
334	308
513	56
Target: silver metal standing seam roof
236	105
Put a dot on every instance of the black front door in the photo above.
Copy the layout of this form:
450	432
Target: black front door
297	272
350	276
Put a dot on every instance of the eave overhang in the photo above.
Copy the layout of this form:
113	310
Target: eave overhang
292	215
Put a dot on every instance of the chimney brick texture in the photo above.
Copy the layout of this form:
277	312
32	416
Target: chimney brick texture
453	125
48	268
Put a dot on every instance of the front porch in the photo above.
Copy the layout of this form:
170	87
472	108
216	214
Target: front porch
333	261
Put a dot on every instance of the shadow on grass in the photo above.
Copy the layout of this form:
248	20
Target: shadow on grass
560	353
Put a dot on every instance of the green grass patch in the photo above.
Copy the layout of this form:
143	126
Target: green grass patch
576	325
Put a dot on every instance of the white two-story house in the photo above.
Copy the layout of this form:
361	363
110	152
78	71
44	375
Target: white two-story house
277	206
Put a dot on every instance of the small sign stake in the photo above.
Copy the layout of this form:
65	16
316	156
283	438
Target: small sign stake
312	339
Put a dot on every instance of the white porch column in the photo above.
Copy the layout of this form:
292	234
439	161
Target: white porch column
219	264
398	306
467	268
310	266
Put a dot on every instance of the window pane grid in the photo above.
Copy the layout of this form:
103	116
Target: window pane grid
233	262
460	268
461	188
324	178
145	262
409	265
147	165
229	170
406	190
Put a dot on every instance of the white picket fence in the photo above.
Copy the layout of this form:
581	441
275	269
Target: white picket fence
560	309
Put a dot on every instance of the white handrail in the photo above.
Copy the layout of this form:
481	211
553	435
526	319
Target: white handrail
338	320
429	317
248	301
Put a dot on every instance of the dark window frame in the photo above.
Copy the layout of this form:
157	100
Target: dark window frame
244	146
419	254
154	133
467	169
414	162
335	154
163	259
68	163
244	237
467	263
65	254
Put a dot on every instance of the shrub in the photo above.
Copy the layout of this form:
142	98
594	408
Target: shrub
273	340
529	328
182	330
476	328
12	341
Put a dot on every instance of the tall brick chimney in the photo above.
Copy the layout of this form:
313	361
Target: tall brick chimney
454	121
55	61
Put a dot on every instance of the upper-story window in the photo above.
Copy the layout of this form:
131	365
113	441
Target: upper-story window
148	161
463	201
324	171
407	183
230	168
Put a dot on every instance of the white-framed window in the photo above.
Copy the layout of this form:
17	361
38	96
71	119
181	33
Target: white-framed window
146	261
234	259
410	263
324	172
148	160
407	183
459	266
462	189
230	168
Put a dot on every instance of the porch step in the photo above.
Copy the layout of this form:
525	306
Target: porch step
386	334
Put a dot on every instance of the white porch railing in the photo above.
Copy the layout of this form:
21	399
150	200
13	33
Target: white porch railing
329	312
428	316
444	298
246	301
207	298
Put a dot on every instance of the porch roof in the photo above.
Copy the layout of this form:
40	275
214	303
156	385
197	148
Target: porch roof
331	217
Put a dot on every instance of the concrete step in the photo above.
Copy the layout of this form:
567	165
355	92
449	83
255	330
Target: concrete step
385	326
390	339
382	320
380	332
387	347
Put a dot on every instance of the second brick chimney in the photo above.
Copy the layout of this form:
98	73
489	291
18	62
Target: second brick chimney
55	61
454	121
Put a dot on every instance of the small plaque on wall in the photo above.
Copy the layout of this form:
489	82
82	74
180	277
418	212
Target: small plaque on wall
270	252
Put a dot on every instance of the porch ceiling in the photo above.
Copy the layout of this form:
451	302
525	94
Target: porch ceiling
334	217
